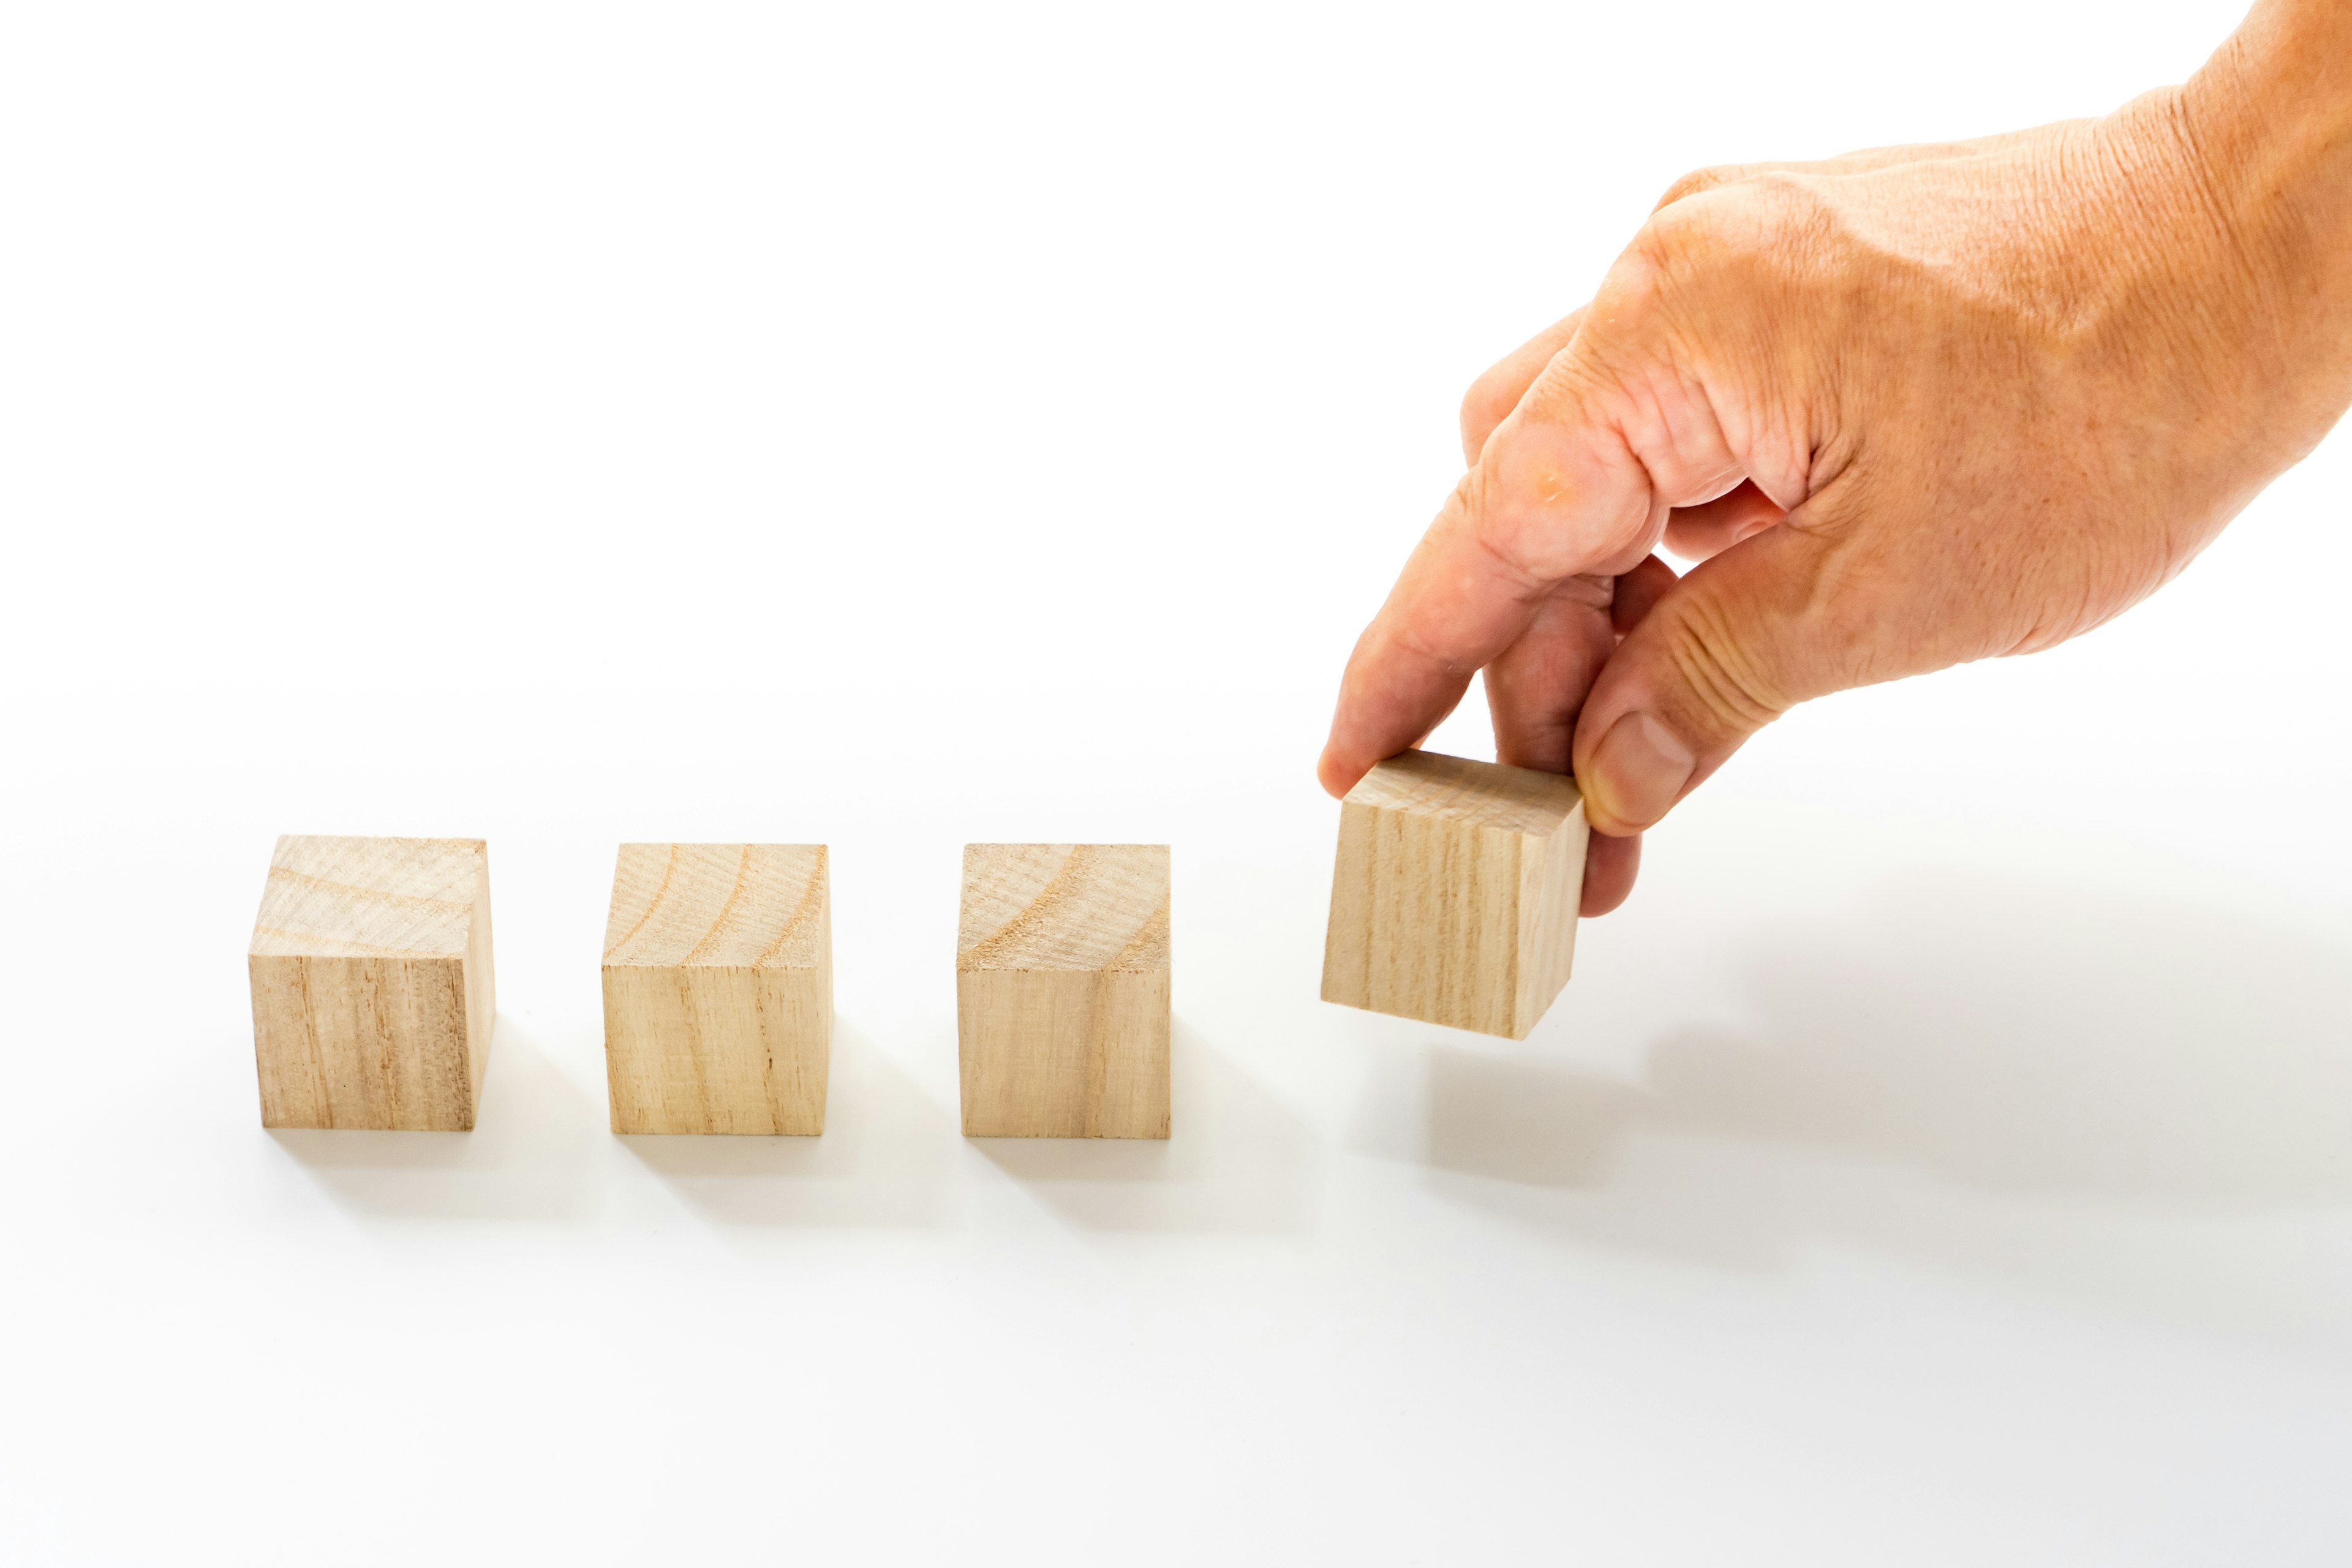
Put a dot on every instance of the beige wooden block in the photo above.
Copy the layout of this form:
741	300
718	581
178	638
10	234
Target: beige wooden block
719	988
372	993
1062	990
1454	898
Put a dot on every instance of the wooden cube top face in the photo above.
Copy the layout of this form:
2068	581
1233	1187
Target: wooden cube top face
369	898
1064	907
743	906
1455	789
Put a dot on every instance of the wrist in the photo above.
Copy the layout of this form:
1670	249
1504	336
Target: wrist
2267	126
2271	111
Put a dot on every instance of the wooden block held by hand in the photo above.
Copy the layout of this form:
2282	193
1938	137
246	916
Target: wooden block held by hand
1062	990
372	993
719	988
1454	898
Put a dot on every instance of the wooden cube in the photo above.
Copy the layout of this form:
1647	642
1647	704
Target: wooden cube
1455	894
372	991
719	988
1062	990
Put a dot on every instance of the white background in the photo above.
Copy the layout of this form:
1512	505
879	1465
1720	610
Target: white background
894	426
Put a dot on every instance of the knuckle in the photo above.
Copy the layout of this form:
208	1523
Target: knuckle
1729	247
1672	236
1555	401
1681	243
1494	520
1484	405
1697	181
1480	502
1757	218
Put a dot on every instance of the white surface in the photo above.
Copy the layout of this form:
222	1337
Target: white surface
900	426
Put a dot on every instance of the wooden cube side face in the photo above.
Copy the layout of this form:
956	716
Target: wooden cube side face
1425	920
1064	1053
1551	891
384	1043
710	1048
481	984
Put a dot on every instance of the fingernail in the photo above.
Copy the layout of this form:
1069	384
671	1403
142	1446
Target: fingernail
1638	771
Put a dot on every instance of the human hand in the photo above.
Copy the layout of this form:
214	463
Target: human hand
1907	408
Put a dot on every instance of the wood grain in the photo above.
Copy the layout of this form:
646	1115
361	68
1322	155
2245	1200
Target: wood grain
1455	896
719	988
373	997
1062	1015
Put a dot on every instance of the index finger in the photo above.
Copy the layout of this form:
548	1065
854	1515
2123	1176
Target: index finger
1496	392
1556	493
1456	606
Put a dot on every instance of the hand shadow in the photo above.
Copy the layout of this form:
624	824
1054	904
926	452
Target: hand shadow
526	1159
1235	1159
882	1161
2029	1082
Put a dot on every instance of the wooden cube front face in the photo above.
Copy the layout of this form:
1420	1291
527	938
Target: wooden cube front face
1454	893
719	988
1062	1004
373	997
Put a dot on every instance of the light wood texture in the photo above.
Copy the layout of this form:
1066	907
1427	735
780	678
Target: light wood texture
373	1002
1062	990
1454	898
719	988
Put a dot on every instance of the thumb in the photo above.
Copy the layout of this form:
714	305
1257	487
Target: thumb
1738	641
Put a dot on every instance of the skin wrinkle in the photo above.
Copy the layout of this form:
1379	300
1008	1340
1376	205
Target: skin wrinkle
2203	179
1660	446
1529	583
1669	459
1452	667
1529	587
1710	660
